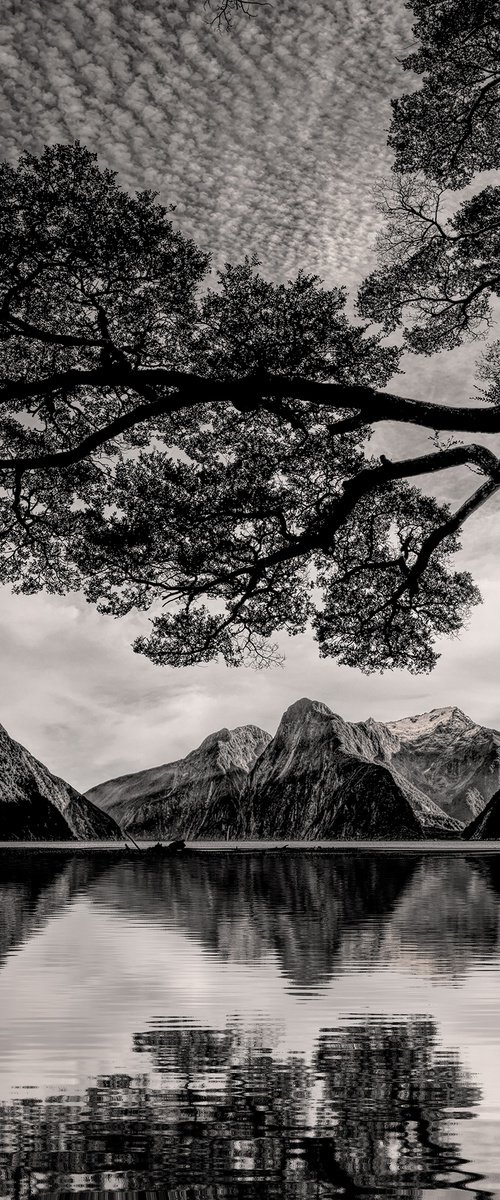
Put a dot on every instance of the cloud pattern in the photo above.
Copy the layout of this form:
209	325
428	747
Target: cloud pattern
266	136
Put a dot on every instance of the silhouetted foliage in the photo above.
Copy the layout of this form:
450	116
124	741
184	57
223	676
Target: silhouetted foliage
439	258
207	450
201	453
449	128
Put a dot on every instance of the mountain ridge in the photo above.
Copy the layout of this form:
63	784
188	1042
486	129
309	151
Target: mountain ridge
410	761
322	777
218	767
36	805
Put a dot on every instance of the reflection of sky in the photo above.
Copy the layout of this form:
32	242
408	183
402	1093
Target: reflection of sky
72	998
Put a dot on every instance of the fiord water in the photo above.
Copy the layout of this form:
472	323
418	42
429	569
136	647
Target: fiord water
224	1027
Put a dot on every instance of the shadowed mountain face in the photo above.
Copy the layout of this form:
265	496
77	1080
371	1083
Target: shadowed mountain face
453	760
369	1115
321	777
486	826
196	797
38	806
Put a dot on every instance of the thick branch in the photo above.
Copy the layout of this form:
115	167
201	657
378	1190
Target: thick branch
44	335
250	393
66	458
320	537
487	87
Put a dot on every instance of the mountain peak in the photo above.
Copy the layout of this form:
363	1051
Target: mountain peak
422	724
303	708
241	735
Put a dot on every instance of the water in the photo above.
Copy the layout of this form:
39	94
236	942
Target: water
224	1026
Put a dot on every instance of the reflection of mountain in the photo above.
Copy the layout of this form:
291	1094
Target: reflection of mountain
448	918
319	912
301	906
35	886
316	912
225	1118
36	805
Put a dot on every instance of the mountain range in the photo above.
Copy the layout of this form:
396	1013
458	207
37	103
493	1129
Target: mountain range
319	777
196	797
435	775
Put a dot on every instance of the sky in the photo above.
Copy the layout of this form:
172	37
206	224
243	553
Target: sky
268	137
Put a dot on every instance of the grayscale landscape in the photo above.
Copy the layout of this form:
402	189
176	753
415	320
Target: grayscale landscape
249	596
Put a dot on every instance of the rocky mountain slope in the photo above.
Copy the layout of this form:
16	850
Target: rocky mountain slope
321	777
38	806
195	797
486	826
447	756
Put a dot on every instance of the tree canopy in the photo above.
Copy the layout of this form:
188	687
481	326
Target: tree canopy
201	452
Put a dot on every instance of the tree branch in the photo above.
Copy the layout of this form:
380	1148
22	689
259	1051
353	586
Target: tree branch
249	393
320	536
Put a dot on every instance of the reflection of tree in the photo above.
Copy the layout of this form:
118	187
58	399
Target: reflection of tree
369	1115
300	906
390	1093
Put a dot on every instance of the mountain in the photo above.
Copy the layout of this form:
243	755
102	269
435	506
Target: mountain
486	825
321	777
38	806
447	756
195	797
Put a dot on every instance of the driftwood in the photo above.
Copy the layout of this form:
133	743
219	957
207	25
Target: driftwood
176	847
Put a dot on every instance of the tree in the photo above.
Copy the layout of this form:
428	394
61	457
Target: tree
440	259
223	1113
449	128
225	9
162	443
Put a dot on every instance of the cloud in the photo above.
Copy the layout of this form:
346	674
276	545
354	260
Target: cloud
73	692
266	137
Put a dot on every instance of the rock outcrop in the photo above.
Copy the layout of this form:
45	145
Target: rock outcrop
321	777
38	806
196	797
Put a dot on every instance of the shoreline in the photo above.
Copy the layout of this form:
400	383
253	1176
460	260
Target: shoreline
121	849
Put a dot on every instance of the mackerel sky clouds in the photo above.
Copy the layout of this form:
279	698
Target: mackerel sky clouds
268	138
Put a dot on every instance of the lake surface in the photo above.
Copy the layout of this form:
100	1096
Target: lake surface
223	1026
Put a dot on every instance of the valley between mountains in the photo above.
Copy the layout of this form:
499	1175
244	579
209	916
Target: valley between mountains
435	775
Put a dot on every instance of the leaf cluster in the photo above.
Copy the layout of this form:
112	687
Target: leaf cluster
449	128
170	447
